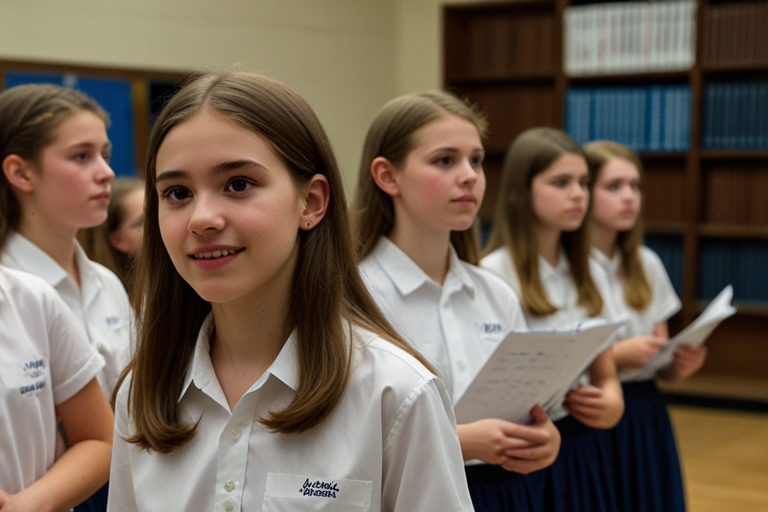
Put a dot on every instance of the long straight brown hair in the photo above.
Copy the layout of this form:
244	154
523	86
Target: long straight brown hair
30	117
637	289
531	153
326	288
392	136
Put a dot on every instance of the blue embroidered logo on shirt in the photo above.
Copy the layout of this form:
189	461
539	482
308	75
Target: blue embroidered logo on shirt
34	368
37	387
488	328
319	488
112	321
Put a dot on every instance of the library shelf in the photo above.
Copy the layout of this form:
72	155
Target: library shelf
698	198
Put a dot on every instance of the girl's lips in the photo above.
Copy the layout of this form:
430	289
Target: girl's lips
103	197
208	259
467	199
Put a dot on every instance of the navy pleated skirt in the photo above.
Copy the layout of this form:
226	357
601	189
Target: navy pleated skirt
583	477
649	476
97	502
493	489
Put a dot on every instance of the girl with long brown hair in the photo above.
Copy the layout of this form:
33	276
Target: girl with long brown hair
649	475
265	377
540	246
56	180
420	185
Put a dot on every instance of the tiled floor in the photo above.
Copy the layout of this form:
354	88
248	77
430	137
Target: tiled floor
725	458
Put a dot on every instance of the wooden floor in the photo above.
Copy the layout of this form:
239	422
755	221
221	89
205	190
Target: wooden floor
725	458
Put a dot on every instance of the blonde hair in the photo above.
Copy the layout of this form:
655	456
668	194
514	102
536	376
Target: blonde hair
392	136
327	292
637	289
531	153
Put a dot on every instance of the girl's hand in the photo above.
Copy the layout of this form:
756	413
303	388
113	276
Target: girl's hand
592	406
688	359
636	352
541	455
16	503
519	448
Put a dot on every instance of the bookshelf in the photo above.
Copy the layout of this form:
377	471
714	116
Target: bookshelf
705	188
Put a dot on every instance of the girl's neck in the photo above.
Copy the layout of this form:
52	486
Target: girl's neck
58	242
604	239
249	335
430	250
549	244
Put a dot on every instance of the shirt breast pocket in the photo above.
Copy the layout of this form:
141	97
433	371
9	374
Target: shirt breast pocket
289	493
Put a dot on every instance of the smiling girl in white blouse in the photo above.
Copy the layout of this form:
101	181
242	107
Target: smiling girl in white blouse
265	377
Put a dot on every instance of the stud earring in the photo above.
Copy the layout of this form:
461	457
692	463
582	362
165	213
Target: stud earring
309	224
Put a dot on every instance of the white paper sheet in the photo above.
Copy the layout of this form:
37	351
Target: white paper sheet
530	368
695	334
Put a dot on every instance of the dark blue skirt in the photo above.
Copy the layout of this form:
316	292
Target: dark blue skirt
649	476
97	502
582	479
494	489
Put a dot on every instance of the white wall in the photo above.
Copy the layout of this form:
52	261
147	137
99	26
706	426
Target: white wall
339	54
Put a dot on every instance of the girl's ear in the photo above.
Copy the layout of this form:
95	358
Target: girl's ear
316	196
385	176
19	173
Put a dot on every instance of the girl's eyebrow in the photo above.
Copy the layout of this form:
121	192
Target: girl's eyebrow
88	145
220	168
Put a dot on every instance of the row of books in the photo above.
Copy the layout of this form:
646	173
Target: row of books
629	37
644	118
737	262
734	33
736	115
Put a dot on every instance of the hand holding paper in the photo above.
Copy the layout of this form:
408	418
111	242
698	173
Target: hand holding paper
695	334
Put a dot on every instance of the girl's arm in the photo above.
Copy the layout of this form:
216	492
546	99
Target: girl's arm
519	448
637	351
83	468
601	404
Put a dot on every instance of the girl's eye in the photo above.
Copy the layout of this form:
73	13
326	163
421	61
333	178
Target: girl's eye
560	183
477	160
636	186
614	185
81	157
239	185
176	194
107	155
584	182
446	160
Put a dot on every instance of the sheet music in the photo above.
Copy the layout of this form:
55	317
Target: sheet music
695	334
530	368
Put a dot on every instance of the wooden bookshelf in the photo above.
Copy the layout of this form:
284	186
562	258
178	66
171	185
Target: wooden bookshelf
508	57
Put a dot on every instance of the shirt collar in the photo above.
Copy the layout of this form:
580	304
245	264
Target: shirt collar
201	372
563	266
610	265
408	276
33	260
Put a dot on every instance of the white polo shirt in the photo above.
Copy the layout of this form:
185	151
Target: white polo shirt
561	292
45	359
456	326
391	443
100	304
664	301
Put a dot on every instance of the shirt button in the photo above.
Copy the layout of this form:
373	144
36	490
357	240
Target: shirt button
229	506
101	348
229	485
461	365
236	433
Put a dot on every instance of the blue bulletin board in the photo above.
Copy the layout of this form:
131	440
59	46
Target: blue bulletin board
113	95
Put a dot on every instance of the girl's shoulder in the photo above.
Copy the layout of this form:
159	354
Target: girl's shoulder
499	262
377	357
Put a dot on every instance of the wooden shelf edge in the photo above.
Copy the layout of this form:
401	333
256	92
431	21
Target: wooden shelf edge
732	231
521	78
632	78
733	154
665	228
731	67
742	308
